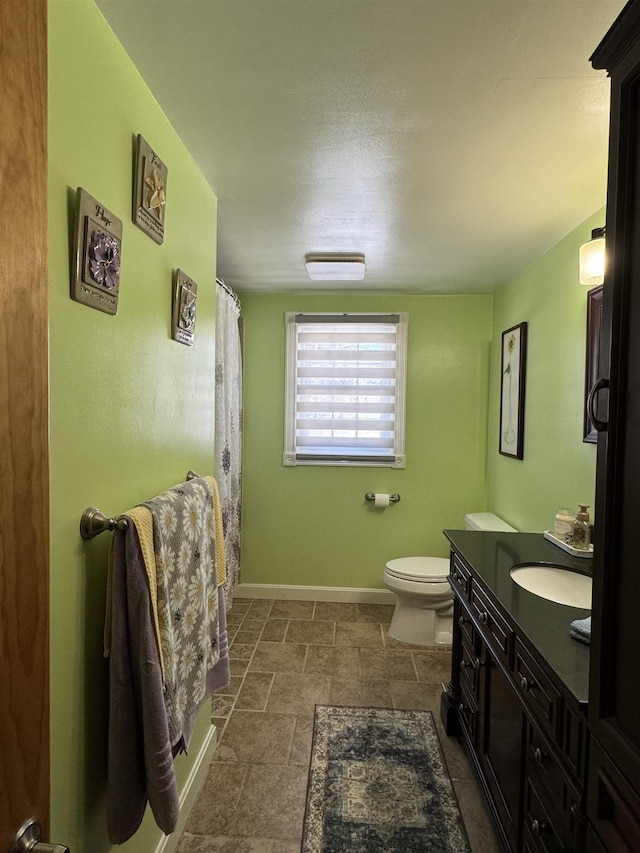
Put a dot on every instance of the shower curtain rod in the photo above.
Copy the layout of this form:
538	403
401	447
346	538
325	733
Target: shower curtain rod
228	290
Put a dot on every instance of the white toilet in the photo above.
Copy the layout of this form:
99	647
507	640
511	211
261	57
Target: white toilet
424	607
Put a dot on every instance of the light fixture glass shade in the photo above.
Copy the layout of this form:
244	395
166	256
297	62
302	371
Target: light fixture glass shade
335	267
592	258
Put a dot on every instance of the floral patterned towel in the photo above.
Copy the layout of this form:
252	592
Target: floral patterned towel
184	544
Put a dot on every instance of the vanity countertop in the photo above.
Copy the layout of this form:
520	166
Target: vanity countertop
544	623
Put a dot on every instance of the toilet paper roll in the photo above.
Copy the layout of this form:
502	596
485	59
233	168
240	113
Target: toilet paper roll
381	500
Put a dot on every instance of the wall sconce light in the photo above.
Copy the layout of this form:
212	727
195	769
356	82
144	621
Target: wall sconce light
592	257
335	267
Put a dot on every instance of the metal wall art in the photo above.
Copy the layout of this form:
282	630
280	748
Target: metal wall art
149	191
97	246
185	295
514	359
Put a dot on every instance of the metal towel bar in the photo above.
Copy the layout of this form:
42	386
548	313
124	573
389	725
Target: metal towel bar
94	522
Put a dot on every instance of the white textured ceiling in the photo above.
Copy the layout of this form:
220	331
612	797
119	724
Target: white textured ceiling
451	142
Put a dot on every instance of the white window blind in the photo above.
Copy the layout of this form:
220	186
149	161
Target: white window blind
345	389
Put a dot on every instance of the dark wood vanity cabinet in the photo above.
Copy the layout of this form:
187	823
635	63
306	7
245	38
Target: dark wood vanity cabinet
526	734
613	802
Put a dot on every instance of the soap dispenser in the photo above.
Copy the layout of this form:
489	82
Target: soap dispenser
582	529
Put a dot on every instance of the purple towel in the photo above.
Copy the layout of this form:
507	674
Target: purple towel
140	760
141	766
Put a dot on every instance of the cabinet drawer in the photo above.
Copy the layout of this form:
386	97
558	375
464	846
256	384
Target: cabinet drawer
467	628
468	712
539	692
575	736
539	832
562	796
496	632
469	669
460	576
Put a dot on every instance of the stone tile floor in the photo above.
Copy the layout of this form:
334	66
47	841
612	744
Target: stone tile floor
286	657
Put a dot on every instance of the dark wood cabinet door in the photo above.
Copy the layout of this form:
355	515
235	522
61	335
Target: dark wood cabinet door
614	708
614	805
500	739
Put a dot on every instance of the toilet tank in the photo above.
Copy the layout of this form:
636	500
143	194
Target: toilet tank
486	521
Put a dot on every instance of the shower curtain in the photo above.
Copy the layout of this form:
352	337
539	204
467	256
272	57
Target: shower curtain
228	427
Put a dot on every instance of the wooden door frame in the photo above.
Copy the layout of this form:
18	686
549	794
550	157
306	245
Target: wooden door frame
24	476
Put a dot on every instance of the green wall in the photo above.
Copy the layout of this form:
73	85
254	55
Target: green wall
311	525
558	468
131	410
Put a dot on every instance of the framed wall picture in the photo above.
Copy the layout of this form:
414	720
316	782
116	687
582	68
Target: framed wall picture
592	360
512	385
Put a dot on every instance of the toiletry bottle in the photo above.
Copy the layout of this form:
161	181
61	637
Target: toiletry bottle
563	525
582	529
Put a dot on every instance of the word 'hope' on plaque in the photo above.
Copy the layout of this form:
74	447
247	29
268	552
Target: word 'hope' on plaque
97	247
149	190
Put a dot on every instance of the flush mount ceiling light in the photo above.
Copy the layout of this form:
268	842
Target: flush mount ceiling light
592	259
335	267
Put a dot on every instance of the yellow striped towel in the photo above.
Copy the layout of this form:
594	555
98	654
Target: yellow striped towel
221	554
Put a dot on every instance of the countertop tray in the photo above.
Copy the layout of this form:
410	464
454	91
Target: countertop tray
575	552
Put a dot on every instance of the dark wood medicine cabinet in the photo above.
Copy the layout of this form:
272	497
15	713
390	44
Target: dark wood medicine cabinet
561	775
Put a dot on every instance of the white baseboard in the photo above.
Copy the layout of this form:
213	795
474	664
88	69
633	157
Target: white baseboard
358	595
189	793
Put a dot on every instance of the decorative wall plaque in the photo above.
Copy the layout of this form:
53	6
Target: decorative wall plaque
149	191
185	294
97	244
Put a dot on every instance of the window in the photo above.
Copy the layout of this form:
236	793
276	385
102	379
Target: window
345	389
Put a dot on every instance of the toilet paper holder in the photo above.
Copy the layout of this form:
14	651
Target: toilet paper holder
394	498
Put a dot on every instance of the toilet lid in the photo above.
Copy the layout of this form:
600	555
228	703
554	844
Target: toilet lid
432	569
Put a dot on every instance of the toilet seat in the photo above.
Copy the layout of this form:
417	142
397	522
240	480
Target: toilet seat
419	569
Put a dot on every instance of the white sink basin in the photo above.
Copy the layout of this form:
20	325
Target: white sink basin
560	585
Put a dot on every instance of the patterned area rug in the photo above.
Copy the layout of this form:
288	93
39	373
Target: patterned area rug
378	784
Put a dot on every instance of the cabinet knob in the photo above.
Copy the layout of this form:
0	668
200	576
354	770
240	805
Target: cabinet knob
538	755
538	827
461	621
461	707
525	685
476	663
463	664
484	618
